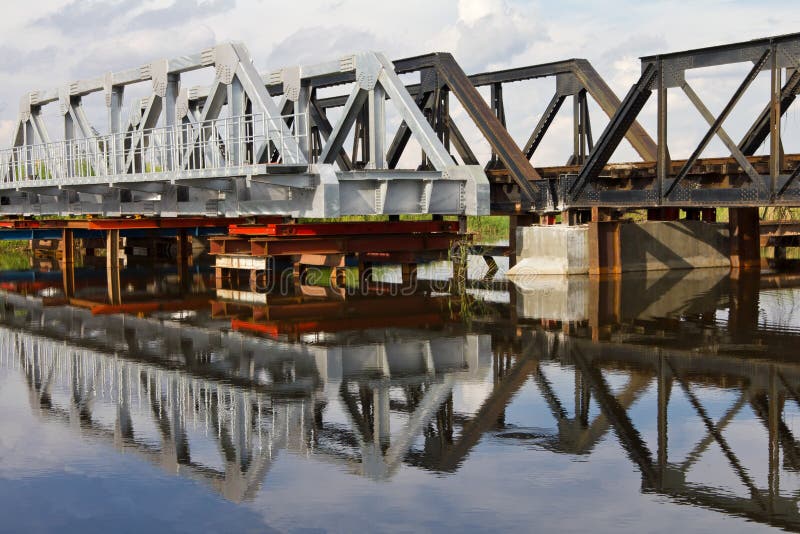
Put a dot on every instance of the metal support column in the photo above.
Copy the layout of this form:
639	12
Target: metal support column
115	127
68	262
605	254
112	267
662	155
170	119
236	106
775	146
184	253
745	239
377	128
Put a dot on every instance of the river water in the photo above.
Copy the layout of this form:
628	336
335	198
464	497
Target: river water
654	403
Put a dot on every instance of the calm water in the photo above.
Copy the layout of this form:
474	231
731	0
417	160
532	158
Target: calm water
648	404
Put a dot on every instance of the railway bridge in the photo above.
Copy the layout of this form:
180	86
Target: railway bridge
363	135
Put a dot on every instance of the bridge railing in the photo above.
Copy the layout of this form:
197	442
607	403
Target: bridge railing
227	143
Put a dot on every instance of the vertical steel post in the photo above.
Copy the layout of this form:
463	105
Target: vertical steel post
662	150
377	128
775	148
236	127
444	113
579	119
499	111
29	141
69	136
301	121
170	120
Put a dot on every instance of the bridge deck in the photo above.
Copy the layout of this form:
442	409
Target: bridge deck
726	171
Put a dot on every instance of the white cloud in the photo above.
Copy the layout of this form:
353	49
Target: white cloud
65	40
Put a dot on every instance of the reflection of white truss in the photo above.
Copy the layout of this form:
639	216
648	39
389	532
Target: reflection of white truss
169	390
229	149
165	391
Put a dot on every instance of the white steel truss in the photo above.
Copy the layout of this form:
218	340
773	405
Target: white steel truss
229	149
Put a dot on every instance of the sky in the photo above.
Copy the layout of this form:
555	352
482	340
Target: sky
60	41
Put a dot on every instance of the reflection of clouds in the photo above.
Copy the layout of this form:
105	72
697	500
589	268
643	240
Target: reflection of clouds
501	486
469	396
27	447
778	308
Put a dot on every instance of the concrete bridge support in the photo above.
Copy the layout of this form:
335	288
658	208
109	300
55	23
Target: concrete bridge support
609	246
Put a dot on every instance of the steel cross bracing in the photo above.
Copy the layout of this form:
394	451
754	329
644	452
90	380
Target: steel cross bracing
229	149
441	76
743	180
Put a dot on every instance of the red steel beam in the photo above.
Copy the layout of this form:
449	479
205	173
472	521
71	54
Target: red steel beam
275	328
344	228
178	222
123	224
100	308
227	245
369	307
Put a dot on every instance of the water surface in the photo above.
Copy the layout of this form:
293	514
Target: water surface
652	403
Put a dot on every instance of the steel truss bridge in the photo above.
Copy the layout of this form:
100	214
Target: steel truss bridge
163	390
253	143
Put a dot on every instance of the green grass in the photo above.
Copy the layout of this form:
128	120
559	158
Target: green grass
488	229
14	255
321	276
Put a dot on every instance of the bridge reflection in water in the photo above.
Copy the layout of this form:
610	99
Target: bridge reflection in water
667	365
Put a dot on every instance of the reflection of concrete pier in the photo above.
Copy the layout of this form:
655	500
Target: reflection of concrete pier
597	300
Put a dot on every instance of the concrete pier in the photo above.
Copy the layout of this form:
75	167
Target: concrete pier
551	249
614	247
